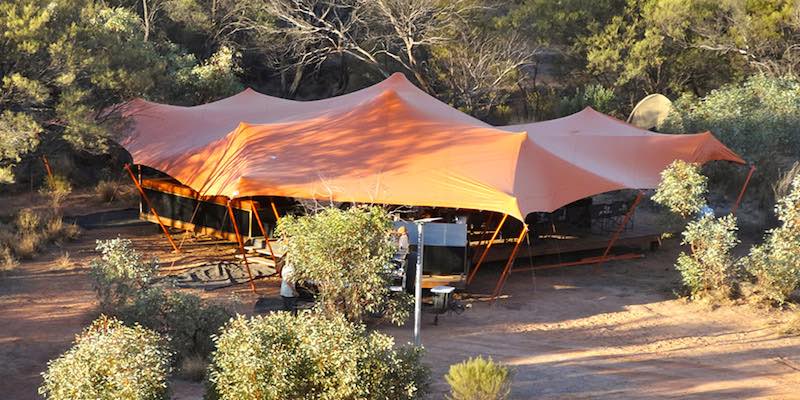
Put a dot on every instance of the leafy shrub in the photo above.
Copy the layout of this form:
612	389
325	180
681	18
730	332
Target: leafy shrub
27	220
7	260
346	252
56	188
758	119
110	361
709	268
682	188
120	272
775	264
280	356
186	319
596	96
479	379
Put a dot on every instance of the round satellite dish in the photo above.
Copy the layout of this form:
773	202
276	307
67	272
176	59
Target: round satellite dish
650	112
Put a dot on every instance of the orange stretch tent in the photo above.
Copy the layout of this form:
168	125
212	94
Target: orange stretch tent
392	143
603	154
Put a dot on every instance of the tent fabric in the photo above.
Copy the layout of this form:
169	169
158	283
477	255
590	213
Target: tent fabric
603	154
392	143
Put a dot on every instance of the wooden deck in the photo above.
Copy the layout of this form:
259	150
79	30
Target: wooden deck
639	239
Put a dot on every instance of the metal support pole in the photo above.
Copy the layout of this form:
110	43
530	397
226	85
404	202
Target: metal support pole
507	270
241	247
418	285
744	188
484	234
152	209
275	210
266	237
623	224
474	270
47	167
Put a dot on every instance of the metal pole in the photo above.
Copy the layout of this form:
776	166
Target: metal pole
152	209
474	270
744	188
418	286
240	242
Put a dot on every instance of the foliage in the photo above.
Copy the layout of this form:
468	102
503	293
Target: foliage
68	64
185	318
595	96
682	188
710	268
345	252
110	361
56	188
775	264
120	273
479	379
757	119
280	356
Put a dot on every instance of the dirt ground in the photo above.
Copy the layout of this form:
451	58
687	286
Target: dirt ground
612	332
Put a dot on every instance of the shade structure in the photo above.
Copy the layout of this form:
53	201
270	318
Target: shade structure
603	154
392	143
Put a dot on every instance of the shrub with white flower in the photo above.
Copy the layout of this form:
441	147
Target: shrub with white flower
110	361
308	356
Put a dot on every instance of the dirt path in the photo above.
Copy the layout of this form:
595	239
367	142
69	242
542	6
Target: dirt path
570	334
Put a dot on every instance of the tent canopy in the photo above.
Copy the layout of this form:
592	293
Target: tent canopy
392	143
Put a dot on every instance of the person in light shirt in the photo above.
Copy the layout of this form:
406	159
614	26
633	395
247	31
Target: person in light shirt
288	289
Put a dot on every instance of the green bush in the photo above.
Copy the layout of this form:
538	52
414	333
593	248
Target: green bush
709	268
280	356
110	361
56	188
120	273
682	188
479	379
186	319
775	264
346	252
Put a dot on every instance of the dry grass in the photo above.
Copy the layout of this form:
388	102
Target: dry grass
64	262
193	368
108	191
28	220
7	260
792	326
28	245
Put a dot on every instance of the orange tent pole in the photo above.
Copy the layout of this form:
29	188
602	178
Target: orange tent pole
507	270
622	225
47	167
483	236
264	232
744	188
274	210
241	247
474	271
152	209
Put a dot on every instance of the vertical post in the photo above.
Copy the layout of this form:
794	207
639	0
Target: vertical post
152	209
241	246
507	269
47	167
474	270
484	234
622	225
744	188
264	232
418	285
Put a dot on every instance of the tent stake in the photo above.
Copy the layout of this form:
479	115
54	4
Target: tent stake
241	247
744	188
152	209
266	237
507	270
474	271
623	224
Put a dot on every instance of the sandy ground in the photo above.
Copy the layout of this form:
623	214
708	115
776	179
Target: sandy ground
613	332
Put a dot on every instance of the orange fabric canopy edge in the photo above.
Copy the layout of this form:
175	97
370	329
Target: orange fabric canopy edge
392	143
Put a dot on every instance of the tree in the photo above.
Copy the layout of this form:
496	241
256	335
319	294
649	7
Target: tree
68	65
346	254
309	356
